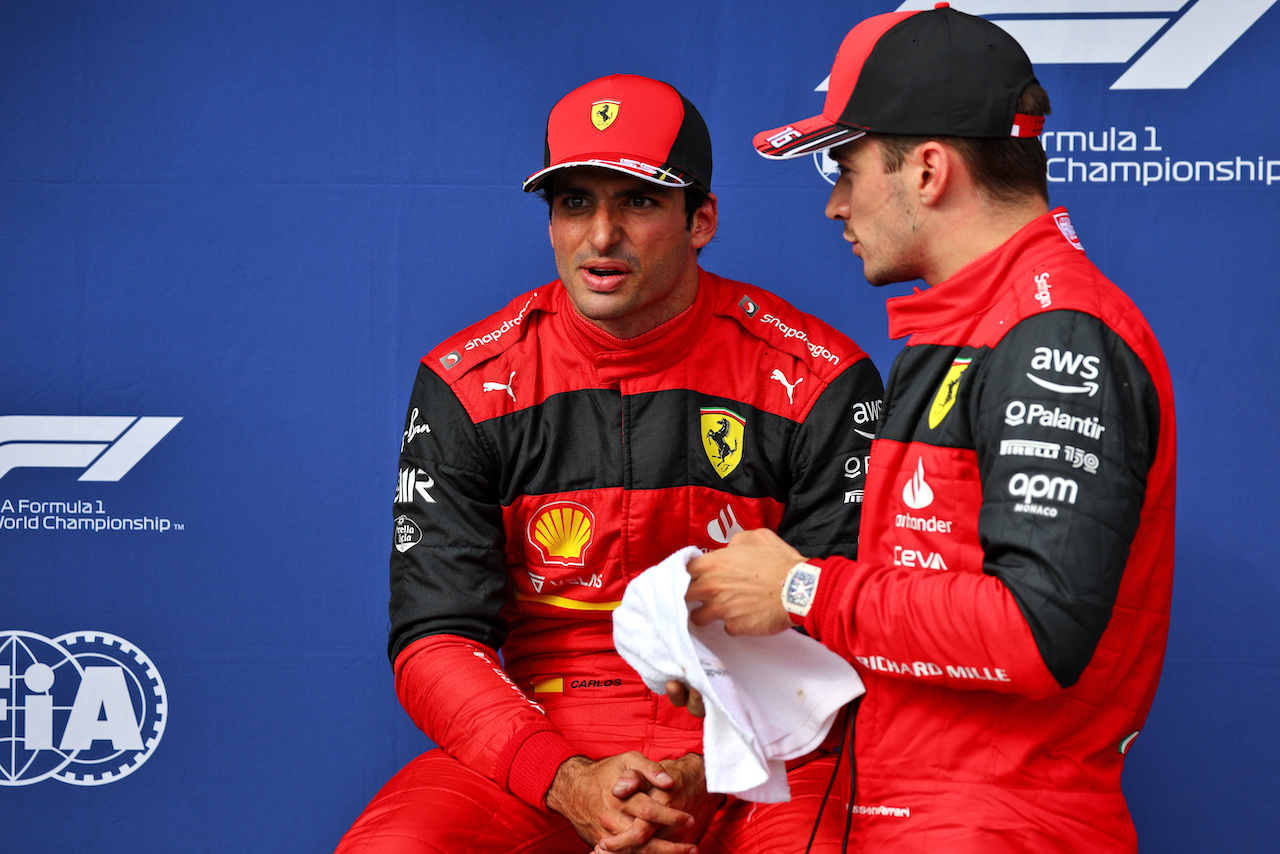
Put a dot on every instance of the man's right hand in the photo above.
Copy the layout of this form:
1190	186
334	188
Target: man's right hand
582	792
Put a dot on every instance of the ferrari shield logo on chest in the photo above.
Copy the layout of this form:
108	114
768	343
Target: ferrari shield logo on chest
603	113
722	438
946	396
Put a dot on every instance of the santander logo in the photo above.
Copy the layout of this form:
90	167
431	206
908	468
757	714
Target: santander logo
917	494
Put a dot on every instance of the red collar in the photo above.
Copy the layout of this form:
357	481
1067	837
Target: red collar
977	285
623	358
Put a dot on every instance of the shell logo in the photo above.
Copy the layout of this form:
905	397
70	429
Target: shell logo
561	531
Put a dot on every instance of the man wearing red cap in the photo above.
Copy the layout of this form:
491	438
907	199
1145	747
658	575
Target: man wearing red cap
1009	605
557	449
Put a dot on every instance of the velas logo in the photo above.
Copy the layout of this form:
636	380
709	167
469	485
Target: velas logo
86	708
946	396
604	113
562	531
722	438
108	446
1159	44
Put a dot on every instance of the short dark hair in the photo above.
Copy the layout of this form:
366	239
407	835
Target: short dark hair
695	196
1006	169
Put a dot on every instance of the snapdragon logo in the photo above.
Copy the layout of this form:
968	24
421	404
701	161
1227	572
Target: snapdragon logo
86	708
108	446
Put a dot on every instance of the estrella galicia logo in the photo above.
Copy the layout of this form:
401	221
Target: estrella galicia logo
86	708
108	446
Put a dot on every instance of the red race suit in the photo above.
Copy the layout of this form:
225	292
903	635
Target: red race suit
544	465
1010	603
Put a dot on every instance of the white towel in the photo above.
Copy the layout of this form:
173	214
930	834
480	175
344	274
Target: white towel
767	699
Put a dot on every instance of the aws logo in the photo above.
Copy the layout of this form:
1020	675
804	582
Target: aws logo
562	532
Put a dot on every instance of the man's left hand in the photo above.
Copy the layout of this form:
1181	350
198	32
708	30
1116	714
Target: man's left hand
742	584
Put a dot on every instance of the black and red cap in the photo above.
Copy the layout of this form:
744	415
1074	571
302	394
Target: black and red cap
935	72
629	124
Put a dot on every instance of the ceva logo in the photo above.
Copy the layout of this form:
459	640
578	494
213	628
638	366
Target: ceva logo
108	445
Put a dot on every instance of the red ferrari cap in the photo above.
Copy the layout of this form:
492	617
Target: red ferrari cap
630	124
935	72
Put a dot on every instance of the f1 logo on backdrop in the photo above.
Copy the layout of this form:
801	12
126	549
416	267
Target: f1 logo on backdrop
108	446
1189	35
86	708
1174	41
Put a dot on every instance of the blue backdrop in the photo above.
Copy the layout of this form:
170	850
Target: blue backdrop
229	230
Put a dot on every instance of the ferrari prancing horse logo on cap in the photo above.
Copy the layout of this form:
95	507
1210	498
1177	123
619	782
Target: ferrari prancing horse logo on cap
603	113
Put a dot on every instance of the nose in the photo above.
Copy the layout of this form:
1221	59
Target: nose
605	229
838	203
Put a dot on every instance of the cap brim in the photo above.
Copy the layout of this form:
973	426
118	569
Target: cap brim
804	137
660	175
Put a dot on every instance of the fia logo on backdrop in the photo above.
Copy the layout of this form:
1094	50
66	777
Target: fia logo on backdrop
86	708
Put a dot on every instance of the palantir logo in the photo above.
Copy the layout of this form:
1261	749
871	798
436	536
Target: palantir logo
86	708
109	446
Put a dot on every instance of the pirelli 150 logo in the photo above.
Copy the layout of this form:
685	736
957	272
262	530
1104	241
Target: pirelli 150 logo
86	708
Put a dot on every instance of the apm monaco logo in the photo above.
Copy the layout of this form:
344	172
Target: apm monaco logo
107	446
86	708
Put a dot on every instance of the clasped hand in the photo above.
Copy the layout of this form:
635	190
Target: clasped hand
629	803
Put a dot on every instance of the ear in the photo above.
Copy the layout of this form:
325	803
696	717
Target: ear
934	170
705	221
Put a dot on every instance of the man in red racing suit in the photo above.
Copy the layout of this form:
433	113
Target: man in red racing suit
545	463
1009	606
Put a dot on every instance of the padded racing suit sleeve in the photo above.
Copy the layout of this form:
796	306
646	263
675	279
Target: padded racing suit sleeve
829	461
1055	532
448	585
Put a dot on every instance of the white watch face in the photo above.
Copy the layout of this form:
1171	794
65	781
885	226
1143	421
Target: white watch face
802	584
802	588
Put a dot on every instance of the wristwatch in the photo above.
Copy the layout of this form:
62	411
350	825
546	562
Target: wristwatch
800	588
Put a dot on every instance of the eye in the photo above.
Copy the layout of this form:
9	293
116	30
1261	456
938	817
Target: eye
642	202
